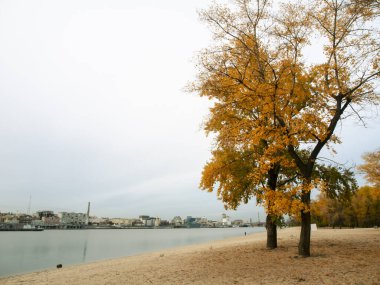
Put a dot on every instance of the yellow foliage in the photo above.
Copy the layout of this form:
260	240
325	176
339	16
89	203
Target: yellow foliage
371	167
270	105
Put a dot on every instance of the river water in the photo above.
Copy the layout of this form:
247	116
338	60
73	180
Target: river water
22	252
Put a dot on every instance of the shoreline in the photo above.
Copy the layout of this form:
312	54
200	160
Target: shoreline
339	256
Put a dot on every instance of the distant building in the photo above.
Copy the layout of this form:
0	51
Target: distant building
25	219
72	218
137	223
213	224
203	220
50	221
226	220
98	221
148	221
237	222
157	222
164	223
143	217
177	221
44	213
189	220
10	219
122	222
38	223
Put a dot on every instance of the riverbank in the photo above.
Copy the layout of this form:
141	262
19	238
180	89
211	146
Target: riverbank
347	256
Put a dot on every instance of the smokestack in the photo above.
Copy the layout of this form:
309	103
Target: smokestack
88	213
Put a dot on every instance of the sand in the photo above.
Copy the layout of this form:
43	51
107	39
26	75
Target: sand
340	256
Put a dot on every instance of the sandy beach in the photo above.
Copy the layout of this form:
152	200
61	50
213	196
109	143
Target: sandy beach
340	256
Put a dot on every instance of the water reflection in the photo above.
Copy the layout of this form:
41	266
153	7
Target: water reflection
84	251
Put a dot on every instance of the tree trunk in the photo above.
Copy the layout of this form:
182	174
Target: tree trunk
304	244
271	232
271	220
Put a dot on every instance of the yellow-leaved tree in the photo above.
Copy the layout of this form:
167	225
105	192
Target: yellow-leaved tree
239	75
371	167
271	103
342	83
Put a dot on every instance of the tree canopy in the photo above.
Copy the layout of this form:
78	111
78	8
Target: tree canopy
270	101
361	209
371	167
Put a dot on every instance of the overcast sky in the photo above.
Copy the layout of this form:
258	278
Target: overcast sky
92	108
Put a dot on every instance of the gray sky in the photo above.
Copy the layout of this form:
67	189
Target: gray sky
92	109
